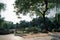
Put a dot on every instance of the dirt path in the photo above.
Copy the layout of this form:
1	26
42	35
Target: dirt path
12	37
39	38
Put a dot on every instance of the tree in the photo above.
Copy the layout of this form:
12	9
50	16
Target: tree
39	7
23	24
57	20
2	7
1	20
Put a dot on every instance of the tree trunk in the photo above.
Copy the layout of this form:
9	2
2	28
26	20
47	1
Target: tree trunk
45	29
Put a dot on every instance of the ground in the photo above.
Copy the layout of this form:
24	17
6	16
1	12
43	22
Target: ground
29	37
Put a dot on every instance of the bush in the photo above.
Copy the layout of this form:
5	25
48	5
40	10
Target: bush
4	31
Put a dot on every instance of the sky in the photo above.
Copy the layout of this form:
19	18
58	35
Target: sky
9	15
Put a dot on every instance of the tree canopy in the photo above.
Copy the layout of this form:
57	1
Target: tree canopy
31	6
38	7
2	6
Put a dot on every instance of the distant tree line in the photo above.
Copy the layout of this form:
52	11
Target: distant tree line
36	25
6	26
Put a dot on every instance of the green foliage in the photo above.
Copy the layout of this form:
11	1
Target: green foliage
57	18
7	27
2	6
38	7
36	25
1	20
28	6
